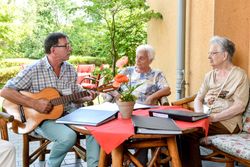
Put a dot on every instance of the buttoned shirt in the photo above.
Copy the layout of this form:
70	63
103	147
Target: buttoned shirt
41	75
152	81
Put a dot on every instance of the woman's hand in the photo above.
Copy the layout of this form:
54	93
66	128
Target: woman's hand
212	118
149	100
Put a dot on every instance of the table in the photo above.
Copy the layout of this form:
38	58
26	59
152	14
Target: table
117	153
118	128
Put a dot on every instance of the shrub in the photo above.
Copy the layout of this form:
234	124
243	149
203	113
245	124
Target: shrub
5	63
87	60
7	73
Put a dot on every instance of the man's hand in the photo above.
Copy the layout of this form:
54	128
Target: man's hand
42	105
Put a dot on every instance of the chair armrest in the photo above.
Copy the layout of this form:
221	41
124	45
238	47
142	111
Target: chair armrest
184	102
7	117
163	101
4	119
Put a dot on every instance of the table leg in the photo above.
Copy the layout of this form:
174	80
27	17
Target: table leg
117	156
102	159
173	151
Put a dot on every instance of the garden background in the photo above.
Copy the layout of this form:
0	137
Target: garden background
100	32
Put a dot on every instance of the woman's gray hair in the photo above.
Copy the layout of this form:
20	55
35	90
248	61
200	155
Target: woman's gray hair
226	45
146	48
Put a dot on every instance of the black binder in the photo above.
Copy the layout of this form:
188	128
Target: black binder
90	117
178	115
154	125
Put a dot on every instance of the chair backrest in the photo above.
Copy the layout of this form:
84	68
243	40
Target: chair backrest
84	70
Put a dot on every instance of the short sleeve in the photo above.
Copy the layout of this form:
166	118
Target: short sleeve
22	81
204	86
161	80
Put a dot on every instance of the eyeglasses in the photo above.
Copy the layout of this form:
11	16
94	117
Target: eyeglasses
214	53
63	46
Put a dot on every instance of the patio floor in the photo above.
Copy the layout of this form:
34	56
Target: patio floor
70	160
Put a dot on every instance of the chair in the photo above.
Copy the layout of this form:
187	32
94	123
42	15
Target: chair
29	158
217	155
4	119
85	77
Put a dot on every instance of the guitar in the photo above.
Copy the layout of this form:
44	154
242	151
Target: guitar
33	118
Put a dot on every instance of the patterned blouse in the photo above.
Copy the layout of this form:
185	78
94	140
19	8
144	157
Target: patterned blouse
153	81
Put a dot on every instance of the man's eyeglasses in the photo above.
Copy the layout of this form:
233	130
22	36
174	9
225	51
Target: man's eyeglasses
63	46
214	53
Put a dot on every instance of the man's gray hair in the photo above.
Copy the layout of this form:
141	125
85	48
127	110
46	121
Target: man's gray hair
148	49
226	45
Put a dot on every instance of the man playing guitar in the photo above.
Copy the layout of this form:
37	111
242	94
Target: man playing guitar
52	71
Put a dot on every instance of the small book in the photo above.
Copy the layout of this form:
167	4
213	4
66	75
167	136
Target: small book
89	117
178	115
154	125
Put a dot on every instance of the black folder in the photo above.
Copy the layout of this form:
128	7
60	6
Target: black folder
178	115
154	125
87	116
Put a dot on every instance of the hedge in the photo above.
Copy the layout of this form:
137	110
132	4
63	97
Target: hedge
10	67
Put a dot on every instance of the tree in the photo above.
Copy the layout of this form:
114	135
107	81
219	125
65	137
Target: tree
6	18
125	22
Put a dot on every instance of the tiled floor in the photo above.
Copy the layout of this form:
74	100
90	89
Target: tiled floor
70	160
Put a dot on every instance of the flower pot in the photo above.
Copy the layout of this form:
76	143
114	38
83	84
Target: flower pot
125	108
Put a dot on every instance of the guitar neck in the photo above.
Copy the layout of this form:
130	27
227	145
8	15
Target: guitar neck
69	98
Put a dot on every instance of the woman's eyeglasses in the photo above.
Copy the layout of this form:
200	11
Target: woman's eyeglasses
214	53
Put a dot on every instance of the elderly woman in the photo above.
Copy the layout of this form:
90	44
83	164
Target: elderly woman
224	94
154	85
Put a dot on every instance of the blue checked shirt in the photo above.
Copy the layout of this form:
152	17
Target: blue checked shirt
152	81
40	75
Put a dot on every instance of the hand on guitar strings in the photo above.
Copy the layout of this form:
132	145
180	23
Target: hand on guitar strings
43	106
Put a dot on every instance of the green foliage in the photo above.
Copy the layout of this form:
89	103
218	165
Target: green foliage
10	68
127	95
7	73
106	74
5	63
96	28
87	60
125	22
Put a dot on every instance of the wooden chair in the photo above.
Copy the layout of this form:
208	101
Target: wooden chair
4	119
29	158
216	155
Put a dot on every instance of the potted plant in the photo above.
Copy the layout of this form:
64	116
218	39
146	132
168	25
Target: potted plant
126	99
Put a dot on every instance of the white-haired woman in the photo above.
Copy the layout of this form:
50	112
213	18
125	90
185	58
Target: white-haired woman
155	85
225	92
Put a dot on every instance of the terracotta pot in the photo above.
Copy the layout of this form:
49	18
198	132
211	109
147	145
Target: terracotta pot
125	108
